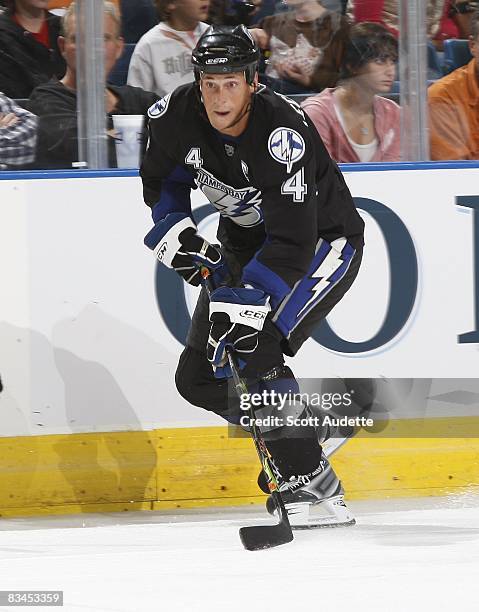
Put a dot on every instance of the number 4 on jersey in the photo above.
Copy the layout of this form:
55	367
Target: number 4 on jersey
295	186
194	158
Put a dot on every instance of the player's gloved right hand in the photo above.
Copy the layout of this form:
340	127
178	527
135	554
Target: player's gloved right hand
237	315
177	245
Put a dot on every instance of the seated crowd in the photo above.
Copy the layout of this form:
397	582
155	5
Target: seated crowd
338	57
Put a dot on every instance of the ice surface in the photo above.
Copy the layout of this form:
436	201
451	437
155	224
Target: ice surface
403	555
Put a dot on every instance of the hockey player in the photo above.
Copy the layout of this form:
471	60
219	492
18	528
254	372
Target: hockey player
291	245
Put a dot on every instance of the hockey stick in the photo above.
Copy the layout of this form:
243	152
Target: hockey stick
261	536
258	537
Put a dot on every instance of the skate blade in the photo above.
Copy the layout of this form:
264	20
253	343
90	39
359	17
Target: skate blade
313	525
331	512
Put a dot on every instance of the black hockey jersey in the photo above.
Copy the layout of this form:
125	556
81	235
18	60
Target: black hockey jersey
277	190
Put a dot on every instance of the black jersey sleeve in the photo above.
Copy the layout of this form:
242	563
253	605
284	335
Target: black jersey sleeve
167	183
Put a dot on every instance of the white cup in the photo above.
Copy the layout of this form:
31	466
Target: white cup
128	135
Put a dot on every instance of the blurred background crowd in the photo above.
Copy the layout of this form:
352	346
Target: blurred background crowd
339	58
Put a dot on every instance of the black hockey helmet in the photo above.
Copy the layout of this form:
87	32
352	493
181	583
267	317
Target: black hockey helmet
224	49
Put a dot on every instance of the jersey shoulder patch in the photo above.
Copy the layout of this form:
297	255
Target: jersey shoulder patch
158	109
286	146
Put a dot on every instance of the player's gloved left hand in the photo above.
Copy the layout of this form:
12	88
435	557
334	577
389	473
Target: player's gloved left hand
177	245
237	315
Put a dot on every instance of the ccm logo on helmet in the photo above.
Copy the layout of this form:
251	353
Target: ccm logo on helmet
252	314
217	60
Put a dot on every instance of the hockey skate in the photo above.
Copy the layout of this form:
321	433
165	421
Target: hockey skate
315	499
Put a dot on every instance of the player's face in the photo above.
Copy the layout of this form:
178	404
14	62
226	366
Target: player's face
113	46
227	99
378	75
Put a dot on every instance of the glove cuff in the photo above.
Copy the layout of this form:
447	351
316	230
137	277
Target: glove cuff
236	305
163	238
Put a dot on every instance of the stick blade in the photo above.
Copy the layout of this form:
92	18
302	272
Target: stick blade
265	536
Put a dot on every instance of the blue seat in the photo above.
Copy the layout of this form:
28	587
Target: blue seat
434	68
119	72
456	54
395	89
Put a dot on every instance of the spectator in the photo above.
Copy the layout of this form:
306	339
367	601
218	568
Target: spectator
354	121
56	102
29	53
385	12
137	16
460	13
271	7
18	134
306	46
161	60
444	18
453	103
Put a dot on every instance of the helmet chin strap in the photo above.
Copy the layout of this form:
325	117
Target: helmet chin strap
245	111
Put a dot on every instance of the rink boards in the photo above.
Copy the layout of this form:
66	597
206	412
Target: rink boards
90	331
198	467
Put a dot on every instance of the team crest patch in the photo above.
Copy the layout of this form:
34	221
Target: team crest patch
286	146
159	108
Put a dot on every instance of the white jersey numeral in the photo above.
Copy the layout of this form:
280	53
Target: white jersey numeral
295	186
194	158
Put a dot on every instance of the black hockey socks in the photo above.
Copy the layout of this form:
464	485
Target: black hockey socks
293	456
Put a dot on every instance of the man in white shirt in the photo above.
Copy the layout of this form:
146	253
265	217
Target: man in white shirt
162	57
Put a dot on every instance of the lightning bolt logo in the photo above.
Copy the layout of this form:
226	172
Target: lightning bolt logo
242	206
286	146
233	208
334	257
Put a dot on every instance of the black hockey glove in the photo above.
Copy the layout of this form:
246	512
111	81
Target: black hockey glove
177	245
237	315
